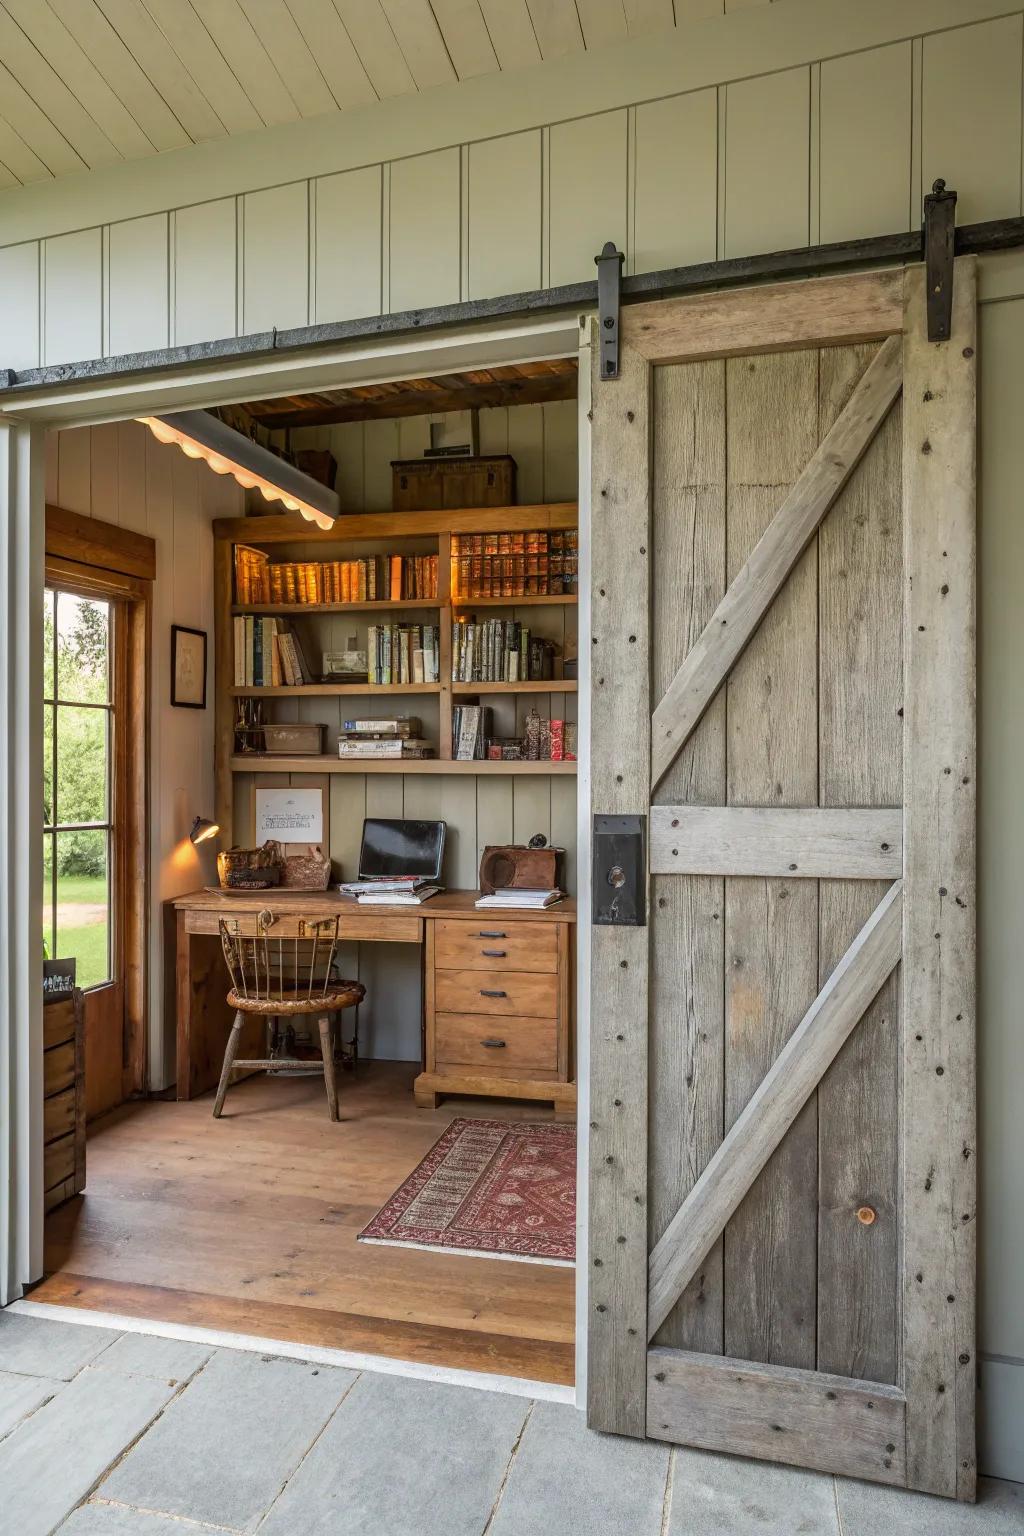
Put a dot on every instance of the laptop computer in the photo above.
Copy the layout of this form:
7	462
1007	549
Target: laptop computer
401	850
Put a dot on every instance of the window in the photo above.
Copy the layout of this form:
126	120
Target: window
78	724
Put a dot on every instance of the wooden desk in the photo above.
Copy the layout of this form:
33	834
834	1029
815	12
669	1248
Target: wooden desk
458	1004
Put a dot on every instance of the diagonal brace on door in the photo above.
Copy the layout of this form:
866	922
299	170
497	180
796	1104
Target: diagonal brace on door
788	1084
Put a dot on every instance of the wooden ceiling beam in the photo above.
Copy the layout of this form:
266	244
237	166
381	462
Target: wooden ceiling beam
408	401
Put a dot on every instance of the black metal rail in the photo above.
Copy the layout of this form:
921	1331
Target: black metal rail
806	261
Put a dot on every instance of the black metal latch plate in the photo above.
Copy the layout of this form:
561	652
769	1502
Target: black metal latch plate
620	872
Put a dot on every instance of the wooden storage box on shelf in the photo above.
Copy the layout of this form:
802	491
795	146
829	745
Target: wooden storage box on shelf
450	484
498	1008
63	1099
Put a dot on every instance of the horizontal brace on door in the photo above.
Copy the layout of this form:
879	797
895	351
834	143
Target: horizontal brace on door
813	844
804	261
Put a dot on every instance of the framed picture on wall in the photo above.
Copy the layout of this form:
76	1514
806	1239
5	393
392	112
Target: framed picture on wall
188	667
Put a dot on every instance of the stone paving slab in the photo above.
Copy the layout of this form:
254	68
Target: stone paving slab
566	1478
404	1458
868	1510
144	1354
226	1445
55	1458
40	1346
118	1520
22	1395
715	1495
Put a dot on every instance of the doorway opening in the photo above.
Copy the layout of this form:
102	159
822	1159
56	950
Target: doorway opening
256	1222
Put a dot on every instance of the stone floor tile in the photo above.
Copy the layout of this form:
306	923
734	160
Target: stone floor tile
54	1459
22	1395
868	1510
565	1477
143	1354
729	1496
227	1443
403	1458
40	1346
99	1519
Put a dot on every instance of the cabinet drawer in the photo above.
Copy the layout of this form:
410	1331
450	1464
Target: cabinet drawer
497	1045
58	1068
496	992
496	946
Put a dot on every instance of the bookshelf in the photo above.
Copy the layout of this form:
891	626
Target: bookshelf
418	532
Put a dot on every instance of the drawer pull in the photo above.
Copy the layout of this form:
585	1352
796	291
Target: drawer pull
495	954
492	935
494	1045
487	992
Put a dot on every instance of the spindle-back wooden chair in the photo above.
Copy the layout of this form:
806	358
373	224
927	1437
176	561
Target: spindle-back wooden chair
280	976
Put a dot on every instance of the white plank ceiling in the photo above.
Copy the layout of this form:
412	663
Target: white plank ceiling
85	83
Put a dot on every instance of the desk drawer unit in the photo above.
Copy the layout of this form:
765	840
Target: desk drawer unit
498	1009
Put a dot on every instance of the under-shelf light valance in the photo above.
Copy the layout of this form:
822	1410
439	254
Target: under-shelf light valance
204	436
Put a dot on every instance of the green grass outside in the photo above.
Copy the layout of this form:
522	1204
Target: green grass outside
87	942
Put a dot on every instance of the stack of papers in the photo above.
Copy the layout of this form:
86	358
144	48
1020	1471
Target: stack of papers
523	900
384	893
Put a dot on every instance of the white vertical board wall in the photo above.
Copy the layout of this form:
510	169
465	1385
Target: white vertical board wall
834	149
120	474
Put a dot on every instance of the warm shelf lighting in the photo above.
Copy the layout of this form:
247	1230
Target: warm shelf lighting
201	435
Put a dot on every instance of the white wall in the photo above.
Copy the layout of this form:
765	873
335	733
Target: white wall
121	474
774	126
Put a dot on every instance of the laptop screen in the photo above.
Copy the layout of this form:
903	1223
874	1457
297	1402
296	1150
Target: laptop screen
393	849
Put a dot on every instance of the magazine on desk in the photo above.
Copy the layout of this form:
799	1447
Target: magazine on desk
519	900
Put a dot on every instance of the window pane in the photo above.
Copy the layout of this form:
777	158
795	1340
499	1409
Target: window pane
47	765
49	598
47	896
83	917
81	764
83	643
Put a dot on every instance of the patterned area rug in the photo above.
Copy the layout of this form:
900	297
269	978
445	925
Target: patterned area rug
492	1188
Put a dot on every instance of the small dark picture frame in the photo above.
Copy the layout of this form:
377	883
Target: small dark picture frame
188	667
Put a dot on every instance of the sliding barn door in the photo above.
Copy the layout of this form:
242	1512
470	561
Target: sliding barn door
782	1103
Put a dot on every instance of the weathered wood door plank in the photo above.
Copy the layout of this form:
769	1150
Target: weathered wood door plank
773	558
939	1191
761	1126
777	1413
811	844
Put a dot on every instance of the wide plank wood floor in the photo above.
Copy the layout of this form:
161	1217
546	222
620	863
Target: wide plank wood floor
249	1224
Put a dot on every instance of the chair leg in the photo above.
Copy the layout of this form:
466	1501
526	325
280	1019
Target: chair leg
327	1052
230	1053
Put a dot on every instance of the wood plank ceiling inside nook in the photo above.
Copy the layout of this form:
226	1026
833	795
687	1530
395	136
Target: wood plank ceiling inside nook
512	384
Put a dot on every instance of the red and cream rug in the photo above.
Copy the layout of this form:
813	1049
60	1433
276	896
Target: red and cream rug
491	1188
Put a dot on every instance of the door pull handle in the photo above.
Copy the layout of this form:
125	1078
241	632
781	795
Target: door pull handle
486	992
494	1045
495	954
492	935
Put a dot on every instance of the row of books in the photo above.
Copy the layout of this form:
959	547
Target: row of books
386	739
403	653
499	651
521	564
369	579
267	654
545	741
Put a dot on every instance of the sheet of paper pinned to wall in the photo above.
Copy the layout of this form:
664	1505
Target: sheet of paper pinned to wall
289	815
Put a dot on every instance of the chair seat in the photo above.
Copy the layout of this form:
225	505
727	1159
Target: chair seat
341	994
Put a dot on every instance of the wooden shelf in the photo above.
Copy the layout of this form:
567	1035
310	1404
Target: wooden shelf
385	605
291	527
550	685
333	690
243	763
553	600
